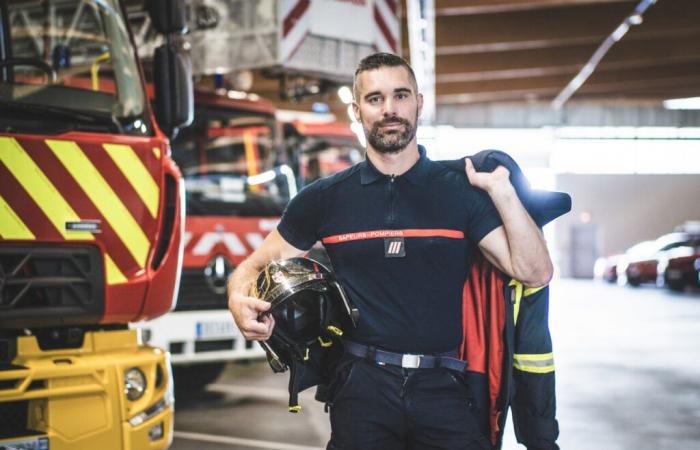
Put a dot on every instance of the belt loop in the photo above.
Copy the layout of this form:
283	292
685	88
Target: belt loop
371	353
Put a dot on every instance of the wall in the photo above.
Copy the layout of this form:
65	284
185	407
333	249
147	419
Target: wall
625	209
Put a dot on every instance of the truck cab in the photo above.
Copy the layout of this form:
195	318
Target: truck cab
90	226
237	185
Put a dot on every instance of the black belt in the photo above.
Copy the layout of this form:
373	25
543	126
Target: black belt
405	360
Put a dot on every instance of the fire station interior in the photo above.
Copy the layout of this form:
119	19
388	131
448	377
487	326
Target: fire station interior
598	99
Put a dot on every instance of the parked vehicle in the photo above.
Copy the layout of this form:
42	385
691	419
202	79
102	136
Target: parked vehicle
681	268
320	149
606	268
90	225
639	263
236	192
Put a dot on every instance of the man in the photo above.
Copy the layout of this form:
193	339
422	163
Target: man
398	229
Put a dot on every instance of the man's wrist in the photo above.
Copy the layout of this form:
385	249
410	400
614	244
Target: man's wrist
503	189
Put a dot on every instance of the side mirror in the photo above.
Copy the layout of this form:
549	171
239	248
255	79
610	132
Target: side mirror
172	80
167	16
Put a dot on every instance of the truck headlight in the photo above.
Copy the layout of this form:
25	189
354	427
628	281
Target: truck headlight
134	384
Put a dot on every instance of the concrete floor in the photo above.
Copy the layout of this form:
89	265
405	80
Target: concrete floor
628	378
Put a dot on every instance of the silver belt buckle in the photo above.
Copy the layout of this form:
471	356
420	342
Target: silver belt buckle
410	361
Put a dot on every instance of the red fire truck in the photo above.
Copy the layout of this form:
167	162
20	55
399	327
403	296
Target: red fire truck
236	190
90	224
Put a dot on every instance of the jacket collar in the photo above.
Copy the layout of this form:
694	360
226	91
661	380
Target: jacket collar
417	174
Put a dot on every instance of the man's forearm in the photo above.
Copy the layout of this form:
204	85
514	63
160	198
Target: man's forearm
242	278
529	257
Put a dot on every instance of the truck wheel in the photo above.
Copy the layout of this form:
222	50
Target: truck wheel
195	377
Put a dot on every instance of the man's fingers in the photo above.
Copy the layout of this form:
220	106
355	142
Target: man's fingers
254	330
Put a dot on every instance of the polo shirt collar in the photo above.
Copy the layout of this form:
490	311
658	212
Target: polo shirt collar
417	174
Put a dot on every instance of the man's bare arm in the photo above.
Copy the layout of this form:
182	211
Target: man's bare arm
244	308
518	247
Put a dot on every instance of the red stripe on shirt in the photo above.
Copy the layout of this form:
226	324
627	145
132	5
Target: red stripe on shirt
379	234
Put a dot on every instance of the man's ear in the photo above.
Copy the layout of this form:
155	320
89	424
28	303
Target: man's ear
420	103
356	111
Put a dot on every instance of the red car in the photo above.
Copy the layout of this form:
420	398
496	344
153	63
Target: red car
639	264
682	268
606	268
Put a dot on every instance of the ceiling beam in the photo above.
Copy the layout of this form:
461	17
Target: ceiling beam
465	7
566	60
583	24
609	82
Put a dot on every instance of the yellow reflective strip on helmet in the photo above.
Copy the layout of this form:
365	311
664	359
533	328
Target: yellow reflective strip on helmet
535	363
529	291
324	343
335	330
114	275
136	173
40	189
294	409
517	289
103	197
11	226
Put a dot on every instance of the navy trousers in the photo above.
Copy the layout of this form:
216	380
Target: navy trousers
383	407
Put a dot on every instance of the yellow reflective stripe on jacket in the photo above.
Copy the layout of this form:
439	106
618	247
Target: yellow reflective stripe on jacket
518	291
534	363
516	295
529	291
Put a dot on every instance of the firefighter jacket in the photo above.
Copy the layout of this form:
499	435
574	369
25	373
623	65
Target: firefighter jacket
506	338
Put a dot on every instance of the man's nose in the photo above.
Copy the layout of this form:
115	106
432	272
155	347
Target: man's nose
389	108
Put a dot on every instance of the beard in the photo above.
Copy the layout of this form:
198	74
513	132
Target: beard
392	141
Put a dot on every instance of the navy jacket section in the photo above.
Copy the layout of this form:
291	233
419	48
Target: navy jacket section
506	330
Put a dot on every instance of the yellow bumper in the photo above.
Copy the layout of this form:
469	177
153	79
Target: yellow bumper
74	399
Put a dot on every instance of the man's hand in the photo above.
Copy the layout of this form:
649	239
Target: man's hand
246	311
487	181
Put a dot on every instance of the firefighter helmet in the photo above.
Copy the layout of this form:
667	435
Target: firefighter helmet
311	312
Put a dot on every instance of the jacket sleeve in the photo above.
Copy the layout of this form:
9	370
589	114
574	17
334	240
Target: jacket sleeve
533	402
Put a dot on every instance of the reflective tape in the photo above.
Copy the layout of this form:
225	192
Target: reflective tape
136	173
534	363
103	197
40	189
11	226
516	295
533	290
114	275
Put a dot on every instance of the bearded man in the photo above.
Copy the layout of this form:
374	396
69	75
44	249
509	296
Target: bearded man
401	232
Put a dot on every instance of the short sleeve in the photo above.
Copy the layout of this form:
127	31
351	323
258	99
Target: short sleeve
482	216
302	217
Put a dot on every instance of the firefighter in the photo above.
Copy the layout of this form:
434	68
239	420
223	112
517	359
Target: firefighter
401	232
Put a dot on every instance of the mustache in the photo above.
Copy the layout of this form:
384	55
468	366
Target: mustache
393	120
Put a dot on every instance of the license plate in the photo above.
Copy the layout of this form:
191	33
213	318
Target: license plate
41	443
219	328
673	274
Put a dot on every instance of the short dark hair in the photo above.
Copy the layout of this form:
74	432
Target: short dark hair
378	60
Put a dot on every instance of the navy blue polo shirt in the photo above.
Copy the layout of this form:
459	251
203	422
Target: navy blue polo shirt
401	246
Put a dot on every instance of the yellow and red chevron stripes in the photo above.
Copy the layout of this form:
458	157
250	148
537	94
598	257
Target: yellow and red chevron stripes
48	182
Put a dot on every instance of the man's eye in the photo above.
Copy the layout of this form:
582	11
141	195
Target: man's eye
373	99
401	96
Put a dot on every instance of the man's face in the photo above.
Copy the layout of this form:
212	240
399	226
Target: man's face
388	107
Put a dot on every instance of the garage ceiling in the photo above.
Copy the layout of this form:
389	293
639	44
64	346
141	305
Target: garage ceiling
525	50
520	53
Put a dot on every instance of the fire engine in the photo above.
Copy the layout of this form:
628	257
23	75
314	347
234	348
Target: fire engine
236	188
90	224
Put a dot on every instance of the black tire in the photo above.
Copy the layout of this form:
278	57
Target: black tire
676	286
195	377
